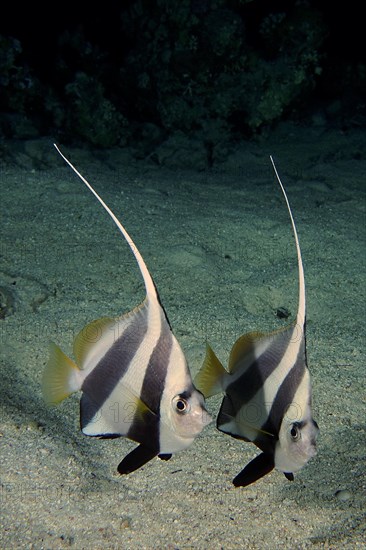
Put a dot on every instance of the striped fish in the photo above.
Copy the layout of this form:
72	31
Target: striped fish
267	392
133	375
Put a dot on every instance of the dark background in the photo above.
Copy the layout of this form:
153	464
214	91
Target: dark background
139	73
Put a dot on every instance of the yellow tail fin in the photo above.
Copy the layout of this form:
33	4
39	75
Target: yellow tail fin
60	377
209	379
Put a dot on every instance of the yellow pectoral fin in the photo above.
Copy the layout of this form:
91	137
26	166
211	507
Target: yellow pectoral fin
209	379
238	428
122	411
60	377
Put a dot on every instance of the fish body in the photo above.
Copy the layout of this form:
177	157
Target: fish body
267	392
133	375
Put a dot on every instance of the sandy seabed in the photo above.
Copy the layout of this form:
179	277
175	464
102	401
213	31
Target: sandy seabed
220	248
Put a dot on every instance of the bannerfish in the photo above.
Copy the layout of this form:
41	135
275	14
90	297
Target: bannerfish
267	391
133	375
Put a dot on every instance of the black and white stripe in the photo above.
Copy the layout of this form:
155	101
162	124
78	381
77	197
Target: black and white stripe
258	396
110	369
151	390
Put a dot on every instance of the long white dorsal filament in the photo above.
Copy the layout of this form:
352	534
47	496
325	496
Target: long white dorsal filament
149	284
301	306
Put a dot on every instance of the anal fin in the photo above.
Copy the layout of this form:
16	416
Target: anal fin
136	458
260	466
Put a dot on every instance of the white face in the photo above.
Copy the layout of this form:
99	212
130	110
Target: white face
296	444
188	414
182	418
182	408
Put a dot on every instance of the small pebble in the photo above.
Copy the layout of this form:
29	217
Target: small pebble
343	495
282	313
126	523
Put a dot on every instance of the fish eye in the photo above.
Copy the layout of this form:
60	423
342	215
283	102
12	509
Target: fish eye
181	404
295	432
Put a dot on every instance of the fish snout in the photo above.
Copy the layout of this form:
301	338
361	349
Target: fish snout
312	439
313	451
198	419
206	417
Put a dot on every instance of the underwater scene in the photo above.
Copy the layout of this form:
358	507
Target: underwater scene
219	261
182	275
